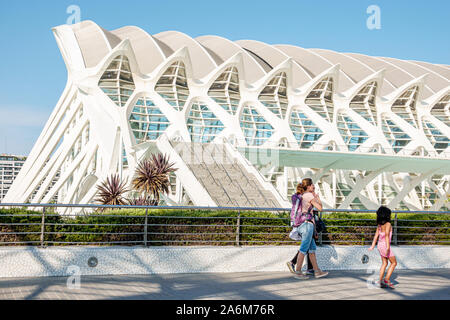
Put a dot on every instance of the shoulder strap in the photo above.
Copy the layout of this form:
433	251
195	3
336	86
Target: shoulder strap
297	204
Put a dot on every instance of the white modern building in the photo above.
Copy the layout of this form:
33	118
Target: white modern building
244	122
10	166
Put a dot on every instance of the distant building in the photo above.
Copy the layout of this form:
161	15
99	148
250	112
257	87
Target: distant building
10	166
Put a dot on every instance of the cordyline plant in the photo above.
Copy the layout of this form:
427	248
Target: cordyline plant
111	191
142	201
152	177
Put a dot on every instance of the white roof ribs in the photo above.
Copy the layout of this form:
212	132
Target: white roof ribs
210	52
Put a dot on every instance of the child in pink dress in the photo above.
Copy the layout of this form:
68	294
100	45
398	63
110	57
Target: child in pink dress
384	246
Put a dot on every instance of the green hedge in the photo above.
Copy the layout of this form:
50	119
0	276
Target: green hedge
182	228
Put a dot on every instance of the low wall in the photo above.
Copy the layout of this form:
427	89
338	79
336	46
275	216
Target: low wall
60	261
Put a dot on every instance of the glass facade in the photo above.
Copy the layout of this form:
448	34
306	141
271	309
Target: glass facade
364	103
117	81
439	141
124	157
387	193
255	128
342	191
173	87
146	120
405	106
202	124
225	90
396	137
350	131
305	131
426	195
274	95
441	110
320	99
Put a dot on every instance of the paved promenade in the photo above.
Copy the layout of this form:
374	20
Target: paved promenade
340	285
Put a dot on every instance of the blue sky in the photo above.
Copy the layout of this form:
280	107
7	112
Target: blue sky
33	74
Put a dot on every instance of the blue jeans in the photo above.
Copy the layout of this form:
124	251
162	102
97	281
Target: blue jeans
308	244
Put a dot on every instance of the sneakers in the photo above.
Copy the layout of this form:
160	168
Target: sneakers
301	276
320	274
309	272
291	267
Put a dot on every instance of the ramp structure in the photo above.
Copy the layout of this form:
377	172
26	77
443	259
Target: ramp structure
244	122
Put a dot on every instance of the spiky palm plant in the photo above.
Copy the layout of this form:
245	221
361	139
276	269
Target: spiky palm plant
142	201
152	176
111	191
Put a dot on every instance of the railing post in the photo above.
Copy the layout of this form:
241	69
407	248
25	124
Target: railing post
320	234
145	227
238	229
42	228
395	229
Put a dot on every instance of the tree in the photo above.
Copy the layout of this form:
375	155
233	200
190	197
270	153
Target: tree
111	191
152	177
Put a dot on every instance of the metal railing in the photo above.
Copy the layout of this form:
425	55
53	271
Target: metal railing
182	225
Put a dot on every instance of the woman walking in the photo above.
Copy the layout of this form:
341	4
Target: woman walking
307	228
384	236
296	200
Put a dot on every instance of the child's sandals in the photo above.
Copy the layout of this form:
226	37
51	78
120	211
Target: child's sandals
387	284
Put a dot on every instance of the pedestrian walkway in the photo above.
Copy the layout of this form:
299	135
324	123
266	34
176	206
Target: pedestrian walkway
340	285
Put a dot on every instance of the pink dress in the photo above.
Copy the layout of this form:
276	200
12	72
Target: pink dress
381	246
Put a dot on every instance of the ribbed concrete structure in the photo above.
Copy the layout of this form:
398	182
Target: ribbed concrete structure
130	93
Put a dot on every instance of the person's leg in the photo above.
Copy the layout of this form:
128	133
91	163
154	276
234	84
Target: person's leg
310	266
384	263
306	233
312	253
300	258
313	258
294	260
391	268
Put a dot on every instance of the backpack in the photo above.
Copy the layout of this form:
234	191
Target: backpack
295	215
297	218
320	225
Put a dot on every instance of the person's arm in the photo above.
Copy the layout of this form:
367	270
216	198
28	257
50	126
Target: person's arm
374	240
317	198
316	204
388	240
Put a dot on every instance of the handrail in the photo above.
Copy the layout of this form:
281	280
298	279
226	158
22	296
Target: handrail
216	164
56	205
248	180
210	174
47	228
239	185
